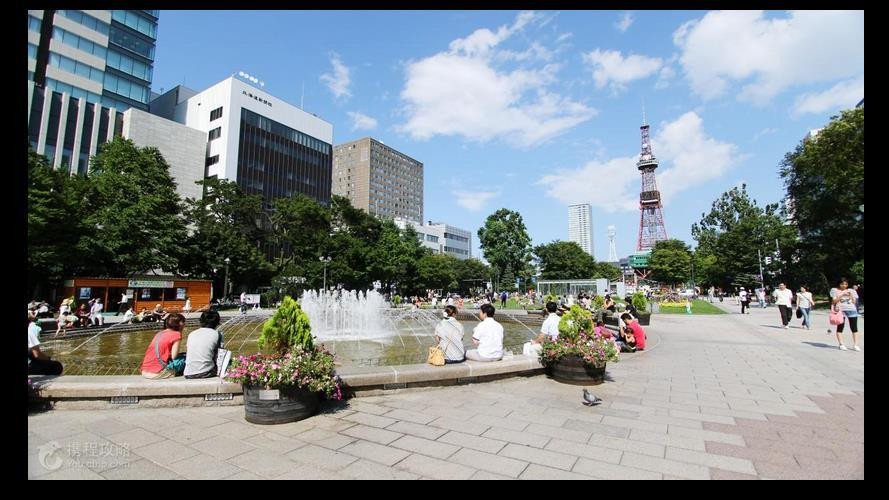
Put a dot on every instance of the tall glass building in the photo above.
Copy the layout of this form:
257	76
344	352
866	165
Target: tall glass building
85	68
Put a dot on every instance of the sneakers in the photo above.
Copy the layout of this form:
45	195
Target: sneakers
843	348
856	348
786	327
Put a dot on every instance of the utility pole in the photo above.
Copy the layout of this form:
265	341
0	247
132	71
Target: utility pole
759	261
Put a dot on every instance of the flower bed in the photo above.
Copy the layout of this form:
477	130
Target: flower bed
310	369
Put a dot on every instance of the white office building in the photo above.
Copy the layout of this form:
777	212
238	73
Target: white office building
441	238
269	147
580	226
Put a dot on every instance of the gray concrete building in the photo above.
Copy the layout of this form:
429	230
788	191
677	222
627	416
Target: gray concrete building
183	147
378	179
441	238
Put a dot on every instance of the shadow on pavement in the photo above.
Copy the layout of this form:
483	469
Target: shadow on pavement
821	344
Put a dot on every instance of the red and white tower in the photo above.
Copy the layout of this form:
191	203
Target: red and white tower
651	221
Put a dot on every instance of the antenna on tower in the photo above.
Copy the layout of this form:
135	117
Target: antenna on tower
643	112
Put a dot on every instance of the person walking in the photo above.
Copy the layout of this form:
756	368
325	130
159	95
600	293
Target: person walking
503	297
804	304
761	295
783	298
123	305
846	300
743	299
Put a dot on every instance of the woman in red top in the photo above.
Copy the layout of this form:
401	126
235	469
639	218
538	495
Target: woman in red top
168	342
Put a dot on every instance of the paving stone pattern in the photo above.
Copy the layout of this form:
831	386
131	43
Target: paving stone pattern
714	397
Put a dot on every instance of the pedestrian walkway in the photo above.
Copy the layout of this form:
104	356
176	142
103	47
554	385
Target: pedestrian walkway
717	397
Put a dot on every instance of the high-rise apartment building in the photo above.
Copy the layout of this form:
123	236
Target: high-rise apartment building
85	68
580	226
378	179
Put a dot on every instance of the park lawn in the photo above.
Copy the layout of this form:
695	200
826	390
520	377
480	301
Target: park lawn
697	307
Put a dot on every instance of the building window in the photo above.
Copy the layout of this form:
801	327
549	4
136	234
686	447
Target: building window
213	160
216	113
432	238
215	133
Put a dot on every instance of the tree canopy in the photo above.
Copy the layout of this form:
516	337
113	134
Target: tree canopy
505	243
824	180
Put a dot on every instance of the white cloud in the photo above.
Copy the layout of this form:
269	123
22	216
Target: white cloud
843	95
338	82
765	131
360	121
624	22
474	200
608	185
691	158
563	37
611	68
767	56
466	92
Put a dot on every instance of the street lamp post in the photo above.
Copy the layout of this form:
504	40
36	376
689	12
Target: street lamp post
325	261
225	287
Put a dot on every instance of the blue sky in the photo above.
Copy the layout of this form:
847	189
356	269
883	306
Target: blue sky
532	111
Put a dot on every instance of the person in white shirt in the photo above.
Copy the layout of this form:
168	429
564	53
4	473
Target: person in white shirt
783	298
449	333
96	313
742	296
123	305
128	316
187	308
38	362
761	295
805	302
549	331
488	336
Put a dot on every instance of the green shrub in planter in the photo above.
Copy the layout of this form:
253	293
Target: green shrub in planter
640	301
288	328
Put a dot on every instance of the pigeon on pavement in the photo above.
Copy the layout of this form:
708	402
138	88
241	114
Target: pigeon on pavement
590	399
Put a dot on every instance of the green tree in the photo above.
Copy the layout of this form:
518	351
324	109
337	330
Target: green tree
565	260
132	213
731	234
471	274
394	257
55	224
437	271
607	271
355	233
301	233
670	261
824	179
288	328
505	243
857	272
227	224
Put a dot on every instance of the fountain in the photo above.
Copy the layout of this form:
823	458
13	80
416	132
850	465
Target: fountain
360	327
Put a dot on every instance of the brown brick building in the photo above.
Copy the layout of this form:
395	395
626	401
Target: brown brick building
378	179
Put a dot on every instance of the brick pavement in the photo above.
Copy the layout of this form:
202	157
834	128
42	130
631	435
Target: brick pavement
714	397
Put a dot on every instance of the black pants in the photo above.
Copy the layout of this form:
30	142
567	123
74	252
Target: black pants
122	307
744	305
853	325
44	367
785	314
451	362
206	374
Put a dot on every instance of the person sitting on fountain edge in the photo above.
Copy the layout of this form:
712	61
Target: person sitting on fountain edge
550	328
631	333
202	346
449	333
488	336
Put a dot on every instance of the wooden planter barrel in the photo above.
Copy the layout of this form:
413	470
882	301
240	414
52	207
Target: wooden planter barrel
571	370
292	404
